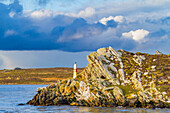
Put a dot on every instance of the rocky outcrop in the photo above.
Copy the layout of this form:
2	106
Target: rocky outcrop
158	52
111	78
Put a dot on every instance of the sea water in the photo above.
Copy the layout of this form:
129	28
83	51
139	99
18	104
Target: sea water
12	95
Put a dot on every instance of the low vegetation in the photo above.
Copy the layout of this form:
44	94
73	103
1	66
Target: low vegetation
35	76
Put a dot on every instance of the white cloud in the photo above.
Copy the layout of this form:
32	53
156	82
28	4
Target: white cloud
12	14
164	37
42	13
86	13
138	35
10	33
119	19
45	13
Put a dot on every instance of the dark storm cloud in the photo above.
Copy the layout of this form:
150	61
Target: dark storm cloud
68	33
46	30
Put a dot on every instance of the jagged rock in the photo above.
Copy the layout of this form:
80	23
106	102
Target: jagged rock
143	97
83	92
112	67
118	94
136	82
137	103
111	78
158	52
138	59
122	76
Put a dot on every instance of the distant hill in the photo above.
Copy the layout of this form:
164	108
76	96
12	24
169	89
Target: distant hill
35	76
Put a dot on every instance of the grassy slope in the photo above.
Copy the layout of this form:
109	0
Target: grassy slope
35	76
161	74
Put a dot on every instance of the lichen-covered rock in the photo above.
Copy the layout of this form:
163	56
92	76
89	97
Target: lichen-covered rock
136	82
112	78
118	94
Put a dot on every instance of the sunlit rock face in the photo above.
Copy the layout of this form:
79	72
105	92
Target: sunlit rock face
113	78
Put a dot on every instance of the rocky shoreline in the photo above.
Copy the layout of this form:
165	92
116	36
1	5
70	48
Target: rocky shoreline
111	79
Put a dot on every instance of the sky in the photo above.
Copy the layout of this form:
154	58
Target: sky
56	33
